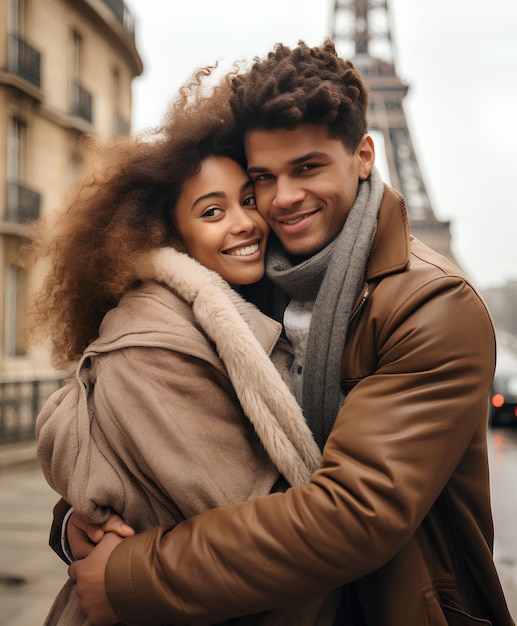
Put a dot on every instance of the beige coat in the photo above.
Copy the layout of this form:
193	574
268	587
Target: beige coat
152	424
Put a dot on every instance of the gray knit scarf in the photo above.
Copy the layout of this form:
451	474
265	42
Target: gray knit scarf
334	277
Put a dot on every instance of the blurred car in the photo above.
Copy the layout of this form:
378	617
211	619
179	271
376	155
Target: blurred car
503	397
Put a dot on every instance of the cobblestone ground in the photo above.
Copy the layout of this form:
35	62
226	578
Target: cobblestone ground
31	574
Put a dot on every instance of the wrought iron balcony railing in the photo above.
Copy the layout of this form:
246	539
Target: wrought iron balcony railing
123	15
24	60
23	204
81	101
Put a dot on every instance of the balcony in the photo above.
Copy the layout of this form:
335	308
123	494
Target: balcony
24	61
23	204
81	101
123	15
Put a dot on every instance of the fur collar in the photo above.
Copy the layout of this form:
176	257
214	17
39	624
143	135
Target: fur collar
230	321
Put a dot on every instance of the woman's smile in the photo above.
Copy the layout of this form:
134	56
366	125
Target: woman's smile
218	222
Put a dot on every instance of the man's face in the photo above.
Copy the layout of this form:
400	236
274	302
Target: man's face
305	183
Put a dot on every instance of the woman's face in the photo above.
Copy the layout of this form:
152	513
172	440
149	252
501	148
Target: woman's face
218	222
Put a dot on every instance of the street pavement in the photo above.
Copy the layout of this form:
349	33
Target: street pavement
31	574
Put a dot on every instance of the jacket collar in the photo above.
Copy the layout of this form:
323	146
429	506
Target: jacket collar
390	249
266	330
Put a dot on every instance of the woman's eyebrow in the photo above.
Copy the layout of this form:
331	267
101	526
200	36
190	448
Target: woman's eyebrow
218	194
211	194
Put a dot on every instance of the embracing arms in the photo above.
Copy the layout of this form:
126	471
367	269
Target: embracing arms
403	434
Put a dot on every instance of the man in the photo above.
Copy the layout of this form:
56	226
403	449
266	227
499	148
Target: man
394	358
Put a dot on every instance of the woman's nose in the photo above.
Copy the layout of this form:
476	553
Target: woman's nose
243	220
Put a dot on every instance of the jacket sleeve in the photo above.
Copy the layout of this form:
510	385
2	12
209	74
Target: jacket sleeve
70	459
59	514
168	441
397	440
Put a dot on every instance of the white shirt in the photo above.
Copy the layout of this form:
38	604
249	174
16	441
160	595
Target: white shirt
297	319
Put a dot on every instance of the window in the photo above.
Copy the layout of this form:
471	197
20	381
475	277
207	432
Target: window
23	203
16	133
74	56
12	311
120	123
80	98
15	16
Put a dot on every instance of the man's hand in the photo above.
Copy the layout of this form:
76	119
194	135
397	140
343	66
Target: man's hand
83	537
89	576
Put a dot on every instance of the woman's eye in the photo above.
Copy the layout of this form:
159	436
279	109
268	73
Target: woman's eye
250	201
213	211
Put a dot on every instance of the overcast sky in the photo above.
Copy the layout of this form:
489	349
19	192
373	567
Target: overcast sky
459	59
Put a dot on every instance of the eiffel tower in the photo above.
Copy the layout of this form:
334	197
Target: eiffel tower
361	31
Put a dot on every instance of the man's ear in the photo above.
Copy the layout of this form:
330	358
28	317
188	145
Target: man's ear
365	152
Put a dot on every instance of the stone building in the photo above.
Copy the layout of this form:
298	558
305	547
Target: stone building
502	302
66	68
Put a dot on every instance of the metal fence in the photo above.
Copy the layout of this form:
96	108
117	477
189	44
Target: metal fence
23	204
20	404
24	60
81	101
124	16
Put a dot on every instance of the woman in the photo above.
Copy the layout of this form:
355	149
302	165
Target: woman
175	406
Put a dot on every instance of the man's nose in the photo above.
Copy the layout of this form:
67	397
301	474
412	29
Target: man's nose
287	193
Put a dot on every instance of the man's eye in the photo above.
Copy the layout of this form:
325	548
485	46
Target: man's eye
250	201
306	167
262	177
213	211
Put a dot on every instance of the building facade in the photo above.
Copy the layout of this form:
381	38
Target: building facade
66	69
502	302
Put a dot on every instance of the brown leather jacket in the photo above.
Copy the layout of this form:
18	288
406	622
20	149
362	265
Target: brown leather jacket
401	503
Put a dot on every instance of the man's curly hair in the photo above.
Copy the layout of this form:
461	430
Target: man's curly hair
303	86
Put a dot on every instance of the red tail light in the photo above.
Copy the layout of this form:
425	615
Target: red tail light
497	400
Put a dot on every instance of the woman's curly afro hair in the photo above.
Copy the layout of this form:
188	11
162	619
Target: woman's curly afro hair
123	205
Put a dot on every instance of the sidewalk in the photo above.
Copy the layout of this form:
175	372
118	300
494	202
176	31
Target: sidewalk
31	574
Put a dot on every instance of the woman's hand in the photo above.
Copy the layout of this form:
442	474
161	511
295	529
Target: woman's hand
83	536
